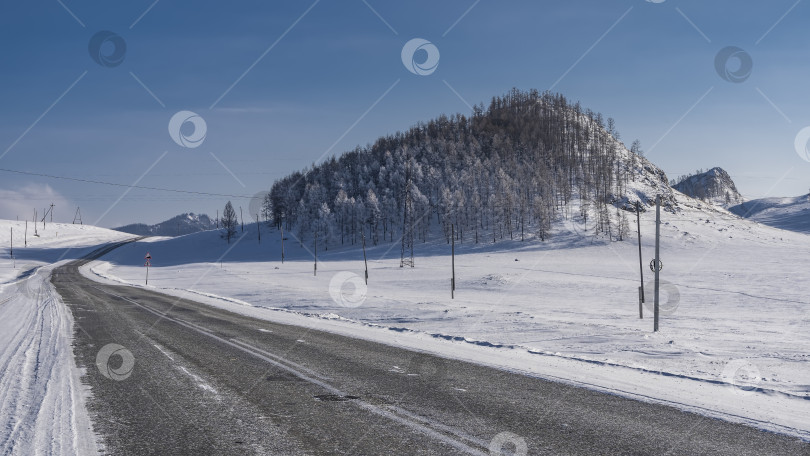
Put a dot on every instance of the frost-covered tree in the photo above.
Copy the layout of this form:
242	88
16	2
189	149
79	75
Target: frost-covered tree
229	222
373	212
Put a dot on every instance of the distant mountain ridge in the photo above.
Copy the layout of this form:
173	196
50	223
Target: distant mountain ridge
714	186
791	214
176	226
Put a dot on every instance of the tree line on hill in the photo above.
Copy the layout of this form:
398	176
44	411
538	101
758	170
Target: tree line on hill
507	171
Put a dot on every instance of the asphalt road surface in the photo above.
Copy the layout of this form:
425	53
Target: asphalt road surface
171	376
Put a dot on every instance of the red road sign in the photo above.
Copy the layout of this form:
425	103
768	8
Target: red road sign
148	256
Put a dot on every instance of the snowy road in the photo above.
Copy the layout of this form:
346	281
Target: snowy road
186	378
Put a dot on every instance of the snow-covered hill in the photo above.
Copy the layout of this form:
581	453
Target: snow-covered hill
175	226
791	214
714	186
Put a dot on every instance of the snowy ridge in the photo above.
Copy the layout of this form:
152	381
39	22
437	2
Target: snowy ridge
176	226
714	186
792	214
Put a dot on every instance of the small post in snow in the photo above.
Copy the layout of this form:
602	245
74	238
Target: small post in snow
453	261
640	261
365	260
148	263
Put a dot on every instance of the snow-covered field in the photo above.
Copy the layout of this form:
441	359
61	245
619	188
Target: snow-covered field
42	400
734	327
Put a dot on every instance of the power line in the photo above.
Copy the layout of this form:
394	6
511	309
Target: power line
89	181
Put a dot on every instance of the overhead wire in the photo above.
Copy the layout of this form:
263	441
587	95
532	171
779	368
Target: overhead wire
114	184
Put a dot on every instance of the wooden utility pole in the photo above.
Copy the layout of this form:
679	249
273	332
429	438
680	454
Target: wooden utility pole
365	260
35	222
453	261
242	219
11	241
657	257
282	241
26	233
258	228
316	254
51	211
640	262
216	220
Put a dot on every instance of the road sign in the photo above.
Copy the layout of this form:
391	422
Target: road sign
148	263
656	266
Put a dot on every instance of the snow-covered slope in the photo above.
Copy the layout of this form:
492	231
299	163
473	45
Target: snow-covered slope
42	407
791	214
714	186
731	342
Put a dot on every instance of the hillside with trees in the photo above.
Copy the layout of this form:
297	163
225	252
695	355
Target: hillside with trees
511	170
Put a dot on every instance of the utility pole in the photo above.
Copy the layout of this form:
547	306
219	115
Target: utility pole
657	257
26	233
51	211
640	262
282	241
406	257
11	240
217	219
365	260
78	216
316	254
453	261
258	228
35	223
242	219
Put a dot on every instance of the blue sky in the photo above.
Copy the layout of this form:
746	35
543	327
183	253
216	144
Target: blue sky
281	84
